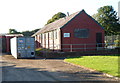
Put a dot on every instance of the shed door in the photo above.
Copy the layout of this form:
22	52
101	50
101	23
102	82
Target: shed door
30	47
21	47
99	39
26	47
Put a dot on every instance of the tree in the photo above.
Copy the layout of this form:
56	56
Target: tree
29	33
34	31
56	17
13	31
25	33
107	17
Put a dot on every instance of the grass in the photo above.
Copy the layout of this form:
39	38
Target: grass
39	51
107	64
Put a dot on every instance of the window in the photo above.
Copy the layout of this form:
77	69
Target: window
56	34
66	34
51	34
81	33
41	38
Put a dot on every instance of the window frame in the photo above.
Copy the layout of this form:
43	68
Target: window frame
83	36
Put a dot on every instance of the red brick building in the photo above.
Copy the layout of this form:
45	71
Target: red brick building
76	32
5	42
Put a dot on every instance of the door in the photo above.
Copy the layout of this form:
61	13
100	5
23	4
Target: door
99	39
30	47
26	47
21	47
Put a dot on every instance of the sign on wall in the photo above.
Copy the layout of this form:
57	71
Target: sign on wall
66	34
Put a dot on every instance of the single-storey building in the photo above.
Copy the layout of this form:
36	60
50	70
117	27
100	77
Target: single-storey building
76	32
5	42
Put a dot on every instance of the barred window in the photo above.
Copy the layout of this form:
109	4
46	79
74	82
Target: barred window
81	33
56	34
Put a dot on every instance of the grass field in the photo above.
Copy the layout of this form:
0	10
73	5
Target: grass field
107	64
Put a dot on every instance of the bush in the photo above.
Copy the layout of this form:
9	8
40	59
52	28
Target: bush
40	51
117	43
37	51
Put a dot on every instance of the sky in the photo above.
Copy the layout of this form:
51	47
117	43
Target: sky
24	15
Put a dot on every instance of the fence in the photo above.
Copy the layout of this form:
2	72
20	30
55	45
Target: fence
75	50
81	47
111	39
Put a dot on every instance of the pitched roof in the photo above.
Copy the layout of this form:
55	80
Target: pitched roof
11	34
61	22
57	24
14	35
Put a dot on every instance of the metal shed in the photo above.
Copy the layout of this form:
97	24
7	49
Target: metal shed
23	47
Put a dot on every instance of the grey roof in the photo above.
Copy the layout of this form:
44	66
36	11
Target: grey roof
57	24
7	34
61	22
14	35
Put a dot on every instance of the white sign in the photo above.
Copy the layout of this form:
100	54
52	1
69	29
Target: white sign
66	34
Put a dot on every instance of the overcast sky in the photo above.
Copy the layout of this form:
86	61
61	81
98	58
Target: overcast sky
25	15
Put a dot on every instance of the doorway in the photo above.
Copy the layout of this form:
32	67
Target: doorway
99	39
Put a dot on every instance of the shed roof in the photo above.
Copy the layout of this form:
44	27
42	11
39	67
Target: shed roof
14	35
11	34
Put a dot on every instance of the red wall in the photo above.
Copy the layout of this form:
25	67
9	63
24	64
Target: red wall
81	21
2	44
6	44
8	50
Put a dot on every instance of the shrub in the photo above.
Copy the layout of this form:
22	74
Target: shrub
40	51
117	42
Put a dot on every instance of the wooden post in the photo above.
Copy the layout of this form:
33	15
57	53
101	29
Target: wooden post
70	47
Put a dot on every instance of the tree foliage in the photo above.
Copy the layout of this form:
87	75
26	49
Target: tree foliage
29	33
25	33
56	17
13	31
108	18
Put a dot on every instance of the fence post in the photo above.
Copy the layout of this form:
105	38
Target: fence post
97	46
70	47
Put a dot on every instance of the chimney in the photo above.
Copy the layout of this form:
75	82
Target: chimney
68	13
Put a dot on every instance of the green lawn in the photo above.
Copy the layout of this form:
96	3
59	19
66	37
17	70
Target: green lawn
106	64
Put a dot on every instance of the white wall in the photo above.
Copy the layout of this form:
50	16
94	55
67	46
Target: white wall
50	38
13	46
46	40
54	38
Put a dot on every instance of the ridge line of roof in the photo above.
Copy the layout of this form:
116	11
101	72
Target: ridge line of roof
74	17
65	18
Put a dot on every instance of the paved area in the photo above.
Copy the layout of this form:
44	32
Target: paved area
46	70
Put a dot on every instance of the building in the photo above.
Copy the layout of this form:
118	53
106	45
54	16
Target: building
76	32
5	42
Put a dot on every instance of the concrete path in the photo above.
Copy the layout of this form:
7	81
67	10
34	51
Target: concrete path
46	70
